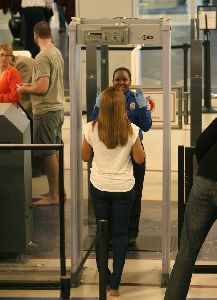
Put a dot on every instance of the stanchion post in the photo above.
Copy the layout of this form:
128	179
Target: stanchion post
64	280
186	101
207	74
103	257
62	213
65	284
181	188
185	50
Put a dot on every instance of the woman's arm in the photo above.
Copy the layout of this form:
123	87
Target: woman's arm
95	111
86	150
145	119
138	152
13	78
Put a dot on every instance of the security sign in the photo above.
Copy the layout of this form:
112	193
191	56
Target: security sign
154	97
151	104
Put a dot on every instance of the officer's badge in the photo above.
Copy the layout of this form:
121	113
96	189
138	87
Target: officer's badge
132	105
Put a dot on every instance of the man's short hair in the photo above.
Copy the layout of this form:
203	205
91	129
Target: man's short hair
42	29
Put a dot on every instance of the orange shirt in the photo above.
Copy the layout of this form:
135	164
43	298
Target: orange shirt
8	92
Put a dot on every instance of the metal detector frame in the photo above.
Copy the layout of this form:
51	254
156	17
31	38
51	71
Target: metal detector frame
140	31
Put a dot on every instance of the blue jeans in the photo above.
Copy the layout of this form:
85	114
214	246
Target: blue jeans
139	174
61	14
200	214
114	207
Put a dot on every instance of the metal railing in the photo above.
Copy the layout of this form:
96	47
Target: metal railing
101	237
60	148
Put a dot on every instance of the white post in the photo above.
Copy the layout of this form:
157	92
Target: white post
135	8
166	63
193	9
136	65
136	53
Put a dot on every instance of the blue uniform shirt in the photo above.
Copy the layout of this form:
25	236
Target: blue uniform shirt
141	117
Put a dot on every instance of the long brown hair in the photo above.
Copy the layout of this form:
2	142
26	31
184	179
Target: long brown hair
114	127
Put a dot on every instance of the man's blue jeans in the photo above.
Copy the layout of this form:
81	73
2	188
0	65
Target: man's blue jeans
116	208
200	214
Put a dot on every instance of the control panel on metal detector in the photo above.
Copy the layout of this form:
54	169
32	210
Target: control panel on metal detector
110	35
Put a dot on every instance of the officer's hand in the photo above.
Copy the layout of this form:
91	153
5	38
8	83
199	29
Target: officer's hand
140	98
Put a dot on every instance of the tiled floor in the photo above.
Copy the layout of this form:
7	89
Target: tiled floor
141	280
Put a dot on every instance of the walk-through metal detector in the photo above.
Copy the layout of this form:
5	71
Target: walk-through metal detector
118	31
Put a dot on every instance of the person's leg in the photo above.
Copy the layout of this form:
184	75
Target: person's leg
121	207
23	30
102	210
47	130
61	14
199	217
52	170
133	229
32	15
28	28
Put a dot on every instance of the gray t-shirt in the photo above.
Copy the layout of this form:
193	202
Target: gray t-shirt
49	62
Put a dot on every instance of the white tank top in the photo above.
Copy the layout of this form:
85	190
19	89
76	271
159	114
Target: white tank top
112	169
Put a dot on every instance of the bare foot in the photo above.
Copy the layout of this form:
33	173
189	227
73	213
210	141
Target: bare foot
47	194
114	293
46	201
35	199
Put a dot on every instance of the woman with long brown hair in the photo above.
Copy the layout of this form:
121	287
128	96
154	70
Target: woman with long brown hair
111	140
138	114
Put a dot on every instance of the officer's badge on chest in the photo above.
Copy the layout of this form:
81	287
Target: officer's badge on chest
132	105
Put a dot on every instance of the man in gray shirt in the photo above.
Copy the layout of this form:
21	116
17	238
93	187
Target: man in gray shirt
47	98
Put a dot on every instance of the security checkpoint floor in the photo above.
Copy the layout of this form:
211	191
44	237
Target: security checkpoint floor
143	269
47	298
141	280
142	272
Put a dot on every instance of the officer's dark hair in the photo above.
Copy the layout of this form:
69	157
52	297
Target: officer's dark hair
122	69
42	29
